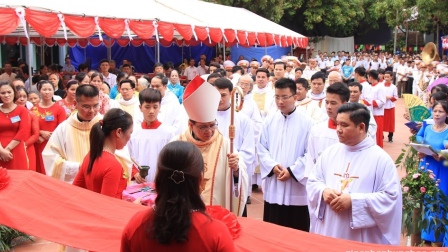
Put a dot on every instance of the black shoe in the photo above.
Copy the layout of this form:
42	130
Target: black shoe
254	187
248	200
390	140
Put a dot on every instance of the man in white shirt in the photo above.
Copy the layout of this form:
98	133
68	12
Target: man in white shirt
108	77
8	75
202	68
401	77
191	71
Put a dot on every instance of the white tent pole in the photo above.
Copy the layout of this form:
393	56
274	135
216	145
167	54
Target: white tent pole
158	51
224	51
30	73
109	50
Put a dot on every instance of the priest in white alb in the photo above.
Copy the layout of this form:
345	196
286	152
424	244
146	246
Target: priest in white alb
225	174
128	101
354	191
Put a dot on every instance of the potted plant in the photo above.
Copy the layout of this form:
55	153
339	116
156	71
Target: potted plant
421	195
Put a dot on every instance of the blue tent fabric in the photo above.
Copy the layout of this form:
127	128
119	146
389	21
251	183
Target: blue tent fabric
142	57
257	52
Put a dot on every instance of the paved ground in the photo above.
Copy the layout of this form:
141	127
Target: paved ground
255	210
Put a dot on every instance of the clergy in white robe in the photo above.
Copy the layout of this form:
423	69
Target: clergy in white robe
149	136
128	101
354	191
366	95
263	95
225	175
282	149
250	108
70	141
323	135
378	101
309	106
244	142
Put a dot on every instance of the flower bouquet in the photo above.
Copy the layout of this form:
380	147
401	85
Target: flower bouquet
421	195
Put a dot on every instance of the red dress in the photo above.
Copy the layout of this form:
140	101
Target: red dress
31	139
205	234
49	119
106	176
14	126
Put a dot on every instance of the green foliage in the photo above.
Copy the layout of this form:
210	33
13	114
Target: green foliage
7	235
418	184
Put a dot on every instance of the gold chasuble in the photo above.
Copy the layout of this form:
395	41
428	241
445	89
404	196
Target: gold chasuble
217	174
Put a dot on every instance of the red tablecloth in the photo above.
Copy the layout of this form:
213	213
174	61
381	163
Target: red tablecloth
56	211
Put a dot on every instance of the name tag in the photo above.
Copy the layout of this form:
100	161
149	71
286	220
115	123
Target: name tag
49	118
15	119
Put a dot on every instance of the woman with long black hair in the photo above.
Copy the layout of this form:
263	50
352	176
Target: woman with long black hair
100	170
178	221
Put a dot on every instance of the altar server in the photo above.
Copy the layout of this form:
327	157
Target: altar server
282	149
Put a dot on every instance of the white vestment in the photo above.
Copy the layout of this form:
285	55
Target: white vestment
311	108
283	141
146	144
371	180
264	98
131	106
244	142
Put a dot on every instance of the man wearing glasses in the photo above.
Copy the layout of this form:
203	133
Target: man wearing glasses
225	175
70	141
282	149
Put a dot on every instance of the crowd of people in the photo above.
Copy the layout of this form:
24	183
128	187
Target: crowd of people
306	133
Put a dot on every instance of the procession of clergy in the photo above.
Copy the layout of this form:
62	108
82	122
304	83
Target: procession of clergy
314	144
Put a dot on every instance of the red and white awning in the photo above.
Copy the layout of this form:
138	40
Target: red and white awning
190	21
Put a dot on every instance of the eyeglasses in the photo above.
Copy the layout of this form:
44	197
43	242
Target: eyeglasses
204	128
89	107
283	98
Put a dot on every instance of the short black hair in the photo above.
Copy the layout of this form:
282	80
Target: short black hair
126	65
358	113
263	70
167	65
149	95
213	75
355	84
280	63
303	82
158	65
103	61
215	64
381	71
439	96
237	68
86	91
373	74
298	69
127	81
223	83
82	66
360	71
158	76
283	83
318	75
340	89
221	72
389	73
